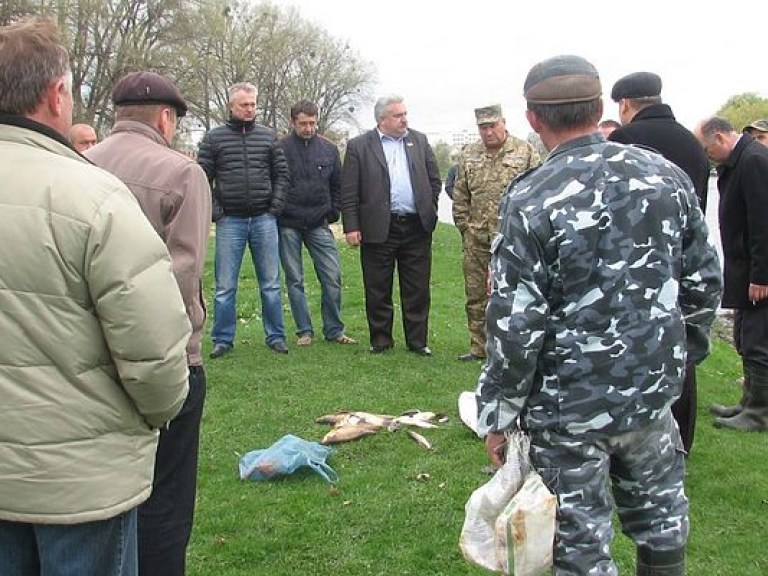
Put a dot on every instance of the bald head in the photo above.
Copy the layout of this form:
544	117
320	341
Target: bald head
82	137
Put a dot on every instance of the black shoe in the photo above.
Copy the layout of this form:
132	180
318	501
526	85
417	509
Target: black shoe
279	347
379	349
220	349
424	351
469	357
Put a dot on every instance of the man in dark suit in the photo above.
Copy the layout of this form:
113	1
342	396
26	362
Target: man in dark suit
742	181
389	191
650	123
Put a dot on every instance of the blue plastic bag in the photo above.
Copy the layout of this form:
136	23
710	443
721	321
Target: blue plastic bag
285	457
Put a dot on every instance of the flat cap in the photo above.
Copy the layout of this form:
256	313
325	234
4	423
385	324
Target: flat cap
561	80
148	88
757	126
488	114
636	85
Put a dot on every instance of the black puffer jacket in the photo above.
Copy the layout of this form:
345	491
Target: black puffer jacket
247	171
314	194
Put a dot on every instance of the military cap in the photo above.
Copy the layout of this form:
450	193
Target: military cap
148	88
488	114
562	79
757	126
636	85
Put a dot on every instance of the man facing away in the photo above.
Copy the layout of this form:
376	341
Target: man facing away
742	181
649	122
173	192
249	178
601	266
389	191
485	169
82	137
94	332
312	202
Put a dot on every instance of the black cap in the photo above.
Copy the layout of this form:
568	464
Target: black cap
146	87
637	85
561	80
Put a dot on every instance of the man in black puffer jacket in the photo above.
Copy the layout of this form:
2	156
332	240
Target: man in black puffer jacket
312	203
249	177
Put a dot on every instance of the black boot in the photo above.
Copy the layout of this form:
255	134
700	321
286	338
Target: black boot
660	562
754	417
729	411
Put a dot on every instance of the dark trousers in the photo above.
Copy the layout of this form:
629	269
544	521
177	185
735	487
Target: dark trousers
684	408
750	335
165	520
409	247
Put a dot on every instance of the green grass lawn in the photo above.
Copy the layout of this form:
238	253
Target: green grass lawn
384	516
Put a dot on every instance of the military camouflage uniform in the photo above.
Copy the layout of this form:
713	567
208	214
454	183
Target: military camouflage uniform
482	178
601	273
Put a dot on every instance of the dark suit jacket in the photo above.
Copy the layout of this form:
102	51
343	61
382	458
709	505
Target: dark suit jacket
743	217
365	194
655	127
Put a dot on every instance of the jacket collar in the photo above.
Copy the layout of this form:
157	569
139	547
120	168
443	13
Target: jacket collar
241	125
27	123
654	111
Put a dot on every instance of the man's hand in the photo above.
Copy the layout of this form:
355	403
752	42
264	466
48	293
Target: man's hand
496	446
757	292
354	238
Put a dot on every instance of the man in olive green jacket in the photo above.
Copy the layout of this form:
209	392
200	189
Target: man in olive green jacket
94	332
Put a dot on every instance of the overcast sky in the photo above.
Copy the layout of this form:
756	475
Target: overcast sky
447	58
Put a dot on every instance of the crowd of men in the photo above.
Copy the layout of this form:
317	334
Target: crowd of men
590	283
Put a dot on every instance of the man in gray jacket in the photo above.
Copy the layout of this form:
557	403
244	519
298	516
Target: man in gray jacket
94	332
173	192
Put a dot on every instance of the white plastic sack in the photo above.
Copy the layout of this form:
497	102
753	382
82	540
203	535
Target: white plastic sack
478	537
525	529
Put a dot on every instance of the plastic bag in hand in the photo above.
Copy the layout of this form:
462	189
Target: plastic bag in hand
478	537
285	457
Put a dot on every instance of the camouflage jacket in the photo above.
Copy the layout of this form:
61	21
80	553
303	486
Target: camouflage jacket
601	266
483	176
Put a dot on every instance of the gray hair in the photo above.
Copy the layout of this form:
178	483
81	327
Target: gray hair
568	115
31	60
246	87
715	125
382	103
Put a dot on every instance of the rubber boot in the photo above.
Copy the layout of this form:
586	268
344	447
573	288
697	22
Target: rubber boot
754	417
660	562
730	411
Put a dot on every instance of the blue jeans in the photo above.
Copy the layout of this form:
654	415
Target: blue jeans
101	548
259	233
325	257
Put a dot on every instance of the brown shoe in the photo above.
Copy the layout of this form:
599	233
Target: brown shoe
344	339
305	340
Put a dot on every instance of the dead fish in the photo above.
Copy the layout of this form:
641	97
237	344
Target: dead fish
347	433
419	439
333	419
412	421
380	420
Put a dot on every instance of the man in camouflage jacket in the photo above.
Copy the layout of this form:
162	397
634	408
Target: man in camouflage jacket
603	280
485	169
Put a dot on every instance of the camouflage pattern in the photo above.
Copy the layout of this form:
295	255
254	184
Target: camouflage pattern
601	268
578	472
601	273
488	114
482	179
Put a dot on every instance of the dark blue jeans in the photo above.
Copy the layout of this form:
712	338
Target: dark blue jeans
101	548
165	520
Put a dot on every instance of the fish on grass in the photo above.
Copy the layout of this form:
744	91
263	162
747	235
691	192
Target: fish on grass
350	425
348	432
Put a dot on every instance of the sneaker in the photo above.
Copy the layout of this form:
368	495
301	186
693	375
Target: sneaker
305	340
344	339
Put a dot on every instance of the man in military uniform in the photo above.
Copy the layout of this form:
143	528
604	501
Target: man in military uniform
758	130
485	169
601	266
